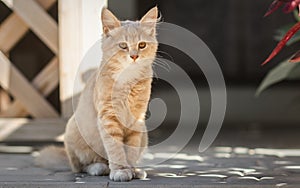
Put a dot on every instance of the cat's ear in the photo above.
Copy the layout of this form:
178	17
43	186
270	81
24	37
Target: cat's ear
109	21
150	20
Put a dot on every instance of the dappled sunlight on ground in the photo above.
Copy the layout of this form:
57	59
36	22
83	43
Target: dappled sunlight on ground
217	166
229	164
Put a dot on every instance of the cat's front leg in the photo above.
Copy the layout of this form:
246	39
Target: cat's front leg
135	144
133	147
112	136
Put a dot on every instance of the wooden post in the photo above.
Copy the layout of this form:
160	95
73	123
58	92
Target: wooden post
79	29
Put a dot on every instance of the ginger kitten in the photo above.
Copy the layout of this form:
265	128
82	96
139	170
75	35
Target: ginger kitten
107	133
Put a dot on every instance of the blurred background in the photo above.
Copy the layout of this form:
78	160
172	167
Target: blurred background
42	43
241	39
237	34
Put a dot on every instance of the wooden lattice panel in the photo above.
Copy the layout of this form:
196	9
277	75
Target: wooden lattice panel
29	97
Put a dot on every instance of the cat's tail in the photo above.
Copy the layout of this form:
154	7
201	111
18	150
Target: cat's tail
54	158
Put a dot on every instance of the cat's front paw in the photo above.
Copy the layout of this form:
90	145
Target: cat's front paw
121	174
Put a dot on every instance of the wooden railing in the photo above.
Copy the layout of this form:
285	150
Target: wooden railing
78	29
29	97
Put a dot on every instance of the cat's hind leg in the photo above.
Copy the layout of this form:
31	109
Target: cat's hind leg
94	163
73	160
97	169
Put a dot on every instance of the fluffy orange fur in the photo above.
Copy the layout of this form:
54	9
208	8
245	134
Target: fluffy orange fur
107	133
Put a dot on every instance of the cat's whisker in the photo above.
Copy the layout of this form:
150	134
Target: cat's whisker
162	64
165	63
166	67
155	75
166	53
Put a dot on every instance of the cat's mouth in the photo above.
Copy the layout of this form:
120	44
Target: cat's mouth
135	61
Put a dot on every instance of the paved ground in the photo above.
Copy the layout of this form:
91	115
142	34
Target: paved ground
249	158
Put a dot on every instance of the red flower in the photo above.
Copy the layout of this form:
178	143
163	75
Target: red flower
289	6
283	42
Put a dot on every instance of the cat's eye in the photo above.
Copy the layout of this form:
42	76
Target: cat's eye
123	45
142	45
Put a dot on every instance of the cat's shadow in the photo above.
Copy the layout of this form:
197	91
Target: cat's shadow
73	100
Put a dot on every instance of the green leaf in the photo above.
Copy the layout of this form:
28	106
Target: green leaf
295	73
296	15
283	30
284	70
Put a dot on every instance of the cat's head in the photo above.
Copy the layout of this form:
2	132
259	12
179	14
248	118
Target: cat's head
129	42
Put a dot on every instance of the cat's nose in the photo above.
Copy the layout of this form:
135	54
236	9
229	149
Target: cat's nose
134	57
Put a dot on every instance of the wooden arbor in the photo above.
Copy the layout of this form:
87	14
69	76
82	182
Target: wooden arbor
79	28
